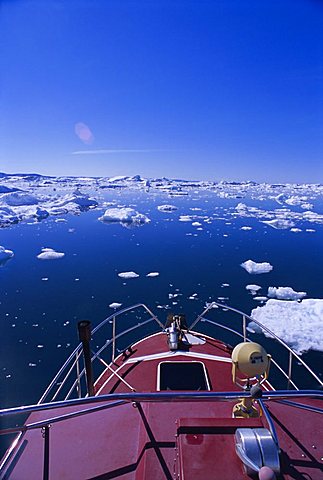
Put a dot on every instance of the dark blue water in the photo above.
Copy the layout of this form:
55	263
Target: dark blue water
39	317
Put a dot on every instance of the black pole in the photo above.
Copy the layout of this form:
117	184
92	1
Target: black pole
45	433
84	329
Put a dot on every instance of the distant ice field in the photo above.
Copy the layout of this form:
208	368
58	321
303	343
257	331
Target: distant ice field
194	265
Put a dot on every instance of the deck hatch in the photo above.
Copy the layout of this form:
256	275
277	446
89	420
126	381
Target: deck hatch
182	376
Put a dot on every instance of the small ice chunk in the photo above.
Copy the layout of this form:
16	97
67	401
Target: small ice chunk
260	299
246	228
60	220
167	208
253	288
185	218
295	230
256	268
196	224
5	254
310	230
225	285
115	305
279	223
285	293
128	275
50	254
152	274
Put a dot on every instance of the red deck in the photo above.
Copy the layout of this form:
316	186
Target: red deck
148	441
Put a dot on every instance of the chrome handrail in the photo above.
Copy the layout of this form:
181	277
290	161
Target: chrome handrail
72	360
77	350
198	396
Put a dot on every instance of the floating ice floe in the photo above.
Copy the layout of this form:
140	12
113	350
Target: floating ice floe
253	289
167	208
128	275
185	218
246	228
285	293
196	224
295	230
152	274
50	254
5	254
125	216
256	268
279	223
115	305
260	299
298	323
17	199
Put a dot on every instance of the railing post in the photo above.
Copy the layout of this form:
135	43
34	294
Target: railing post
113	338
45	434
78	385
84	328
244	328
290	364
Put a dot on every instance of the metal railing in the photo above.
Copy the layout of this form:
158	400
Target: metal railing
72	365
292	356
72	371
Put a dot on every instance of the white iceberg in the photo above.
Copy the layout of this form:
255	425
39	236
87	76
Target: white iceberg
253	289
256	268
152	274
297	323
128	275
279	223
5	254
124	215
16	199
115	305
50	254
285	293
167	208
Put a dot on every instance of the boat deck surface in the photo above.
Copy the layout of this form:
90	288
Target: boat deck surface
167	440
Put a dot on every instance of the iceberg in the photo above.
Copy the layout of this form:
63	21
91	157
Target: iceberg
115	305
253	289
50	254
299	324
279	223
256	268
124	216
17	199
167	208
5	254
128	275
285	293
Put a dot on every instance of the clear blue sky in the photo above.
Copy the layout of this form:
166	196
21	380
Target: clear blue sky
221	89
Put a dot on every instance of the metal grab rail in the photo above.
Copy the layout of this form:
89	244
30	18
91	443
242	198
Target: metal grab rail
74	356
244	316
273	361
200	396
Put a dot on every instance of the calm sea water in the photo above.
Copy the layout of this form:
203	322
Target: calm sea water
39	317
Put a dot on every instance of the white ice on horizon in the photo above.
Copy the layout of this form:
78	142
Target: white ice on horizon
299	324
256	268
124	215
128	275
50	254
285	293
152	274
5	254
